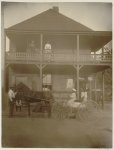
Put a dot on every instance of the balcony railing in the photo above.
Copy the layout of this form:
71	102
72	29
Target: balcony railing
58	57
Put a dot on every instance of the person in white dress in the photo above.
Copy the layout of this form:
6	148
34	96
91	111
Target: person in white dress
18	104
48	51
73	102
11	97
47	47
84	96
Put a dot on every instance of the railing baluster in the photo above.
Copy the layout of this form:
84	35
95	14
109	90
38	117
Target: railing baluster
59	57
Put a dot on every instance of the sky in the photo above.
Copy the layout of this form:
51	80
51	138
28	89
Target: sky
97	16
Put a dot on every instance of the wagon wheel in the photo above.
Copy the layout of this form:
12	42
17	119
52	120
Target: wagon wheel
56	110
88	110
59	111
64	112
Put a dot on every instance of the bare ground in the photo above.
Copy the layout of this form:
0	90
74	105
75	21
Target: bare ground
30	132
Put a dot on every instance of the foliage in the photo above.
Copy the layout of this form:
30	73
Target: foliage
108	84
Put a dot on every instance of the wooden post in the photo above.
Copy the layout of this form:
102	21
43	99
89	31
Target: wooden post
77	66
40	67
102	50
95	56
78	82
41	54
102	53
95	87
41	74
29	112
103	90
10	73
90	89
77	47
90	86
41	46
3	50
4	64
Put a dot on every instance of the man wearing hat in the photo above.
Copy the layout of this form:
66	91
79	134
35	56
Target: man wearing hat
73	98
11	96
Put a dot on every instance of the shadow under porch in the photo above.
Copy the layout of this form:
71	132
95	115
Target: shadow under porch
56	77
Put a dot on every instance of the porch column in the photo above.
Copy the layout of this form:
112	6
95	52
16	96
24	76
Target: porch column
3	49
78	82
78	46
103	90
95	87
41	58
12	45
41	74
77	66
10	72
95	56
90	90
102	53
3	52
102	50
41	46
90	87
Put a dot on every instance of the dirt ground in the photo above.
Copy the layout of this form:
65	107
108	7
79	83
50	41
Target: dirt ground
31	132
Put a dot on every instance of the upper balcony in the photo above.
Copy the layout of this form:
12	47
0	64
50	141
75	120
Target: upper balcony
57	58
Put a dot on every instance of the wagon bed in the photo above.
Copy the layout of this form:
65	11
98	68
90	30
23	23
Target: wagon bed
42	98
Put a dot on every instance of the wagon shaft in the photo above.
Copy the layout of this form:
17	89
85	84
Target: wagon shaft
41	101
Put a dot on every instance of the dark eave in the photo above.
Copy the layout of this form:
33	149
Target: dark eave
93	33
95	39
52	22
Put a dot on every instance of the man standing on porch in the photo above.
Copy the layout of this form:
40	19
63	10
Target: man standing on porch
32	47
11	96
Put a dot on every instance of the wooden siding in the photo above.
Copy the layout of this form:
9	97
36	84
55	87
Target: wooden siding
60	81
32	81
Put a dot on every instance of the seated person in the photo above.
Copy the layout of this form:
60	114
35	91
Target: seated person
18	105
84	96
73	102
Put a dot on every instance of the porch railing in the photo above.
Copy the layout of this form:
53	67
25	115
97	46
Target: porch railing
57	57
22	56
95	58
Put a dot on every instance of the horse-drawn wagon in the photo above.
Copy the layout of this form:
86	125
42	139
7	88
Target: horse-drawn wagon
35	101
82	110
44	102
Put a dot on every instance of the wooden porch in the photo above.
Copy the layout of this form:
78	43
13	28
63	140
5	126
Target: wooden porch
62	58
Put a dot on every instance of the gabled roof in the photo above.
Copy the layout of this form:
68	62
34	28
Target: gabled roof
49	20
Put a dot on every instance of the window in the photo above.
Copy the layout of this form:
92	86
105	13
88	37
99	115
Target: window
47	81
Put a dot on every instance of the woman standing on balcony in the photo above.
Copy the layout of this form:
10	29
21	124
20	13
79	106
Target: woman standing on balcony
48	51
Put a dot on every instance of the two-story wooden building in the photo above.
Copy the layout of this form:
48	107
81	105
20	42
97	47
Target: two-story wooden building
71	57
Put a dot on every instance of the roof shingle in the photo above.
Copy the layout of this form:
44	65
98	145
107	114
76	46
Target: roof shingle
49	20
